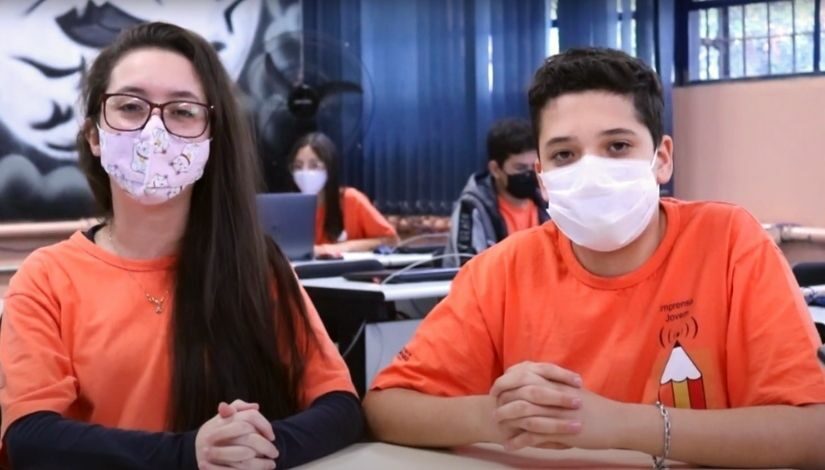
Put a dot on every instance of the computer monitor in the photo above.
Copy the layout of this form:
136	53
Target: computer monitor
289	218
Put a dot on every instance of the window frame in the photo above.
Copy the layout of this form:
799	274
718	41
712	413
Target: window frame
553	23
682	32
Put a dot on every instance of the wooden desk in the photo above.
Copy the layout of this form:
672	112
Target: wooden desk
486	456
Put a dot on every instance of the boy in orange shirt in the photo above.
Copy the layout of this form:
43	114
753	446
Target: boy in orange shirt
668	327
505	198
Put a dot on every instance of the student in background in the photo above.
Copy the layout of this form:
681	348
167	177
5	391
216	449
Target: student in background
668	327
345	220
174	334
505	198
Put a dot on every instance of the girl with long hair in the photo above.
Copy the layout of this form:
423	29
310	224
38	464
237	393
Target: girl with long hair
345	219
174	334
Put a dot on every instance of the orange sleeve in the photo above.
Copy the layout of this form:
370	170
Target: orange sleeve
370	223
771	339
326	370
36	364
453	352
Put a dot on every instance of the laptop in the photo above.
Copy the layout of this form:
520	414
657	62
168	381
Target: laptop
397	277
289	218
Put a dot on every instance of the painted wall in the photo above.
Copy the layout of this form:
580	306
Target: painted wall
759	144
49	45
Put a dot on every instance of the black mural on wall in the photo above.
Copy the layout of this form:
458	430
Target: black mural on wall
42	68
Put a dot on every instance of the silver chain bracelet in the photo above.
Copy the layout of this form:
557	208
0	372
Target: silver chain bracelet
660	463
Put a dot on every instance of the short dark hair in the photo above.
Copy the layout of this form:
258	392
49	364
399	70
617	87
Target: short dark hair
507	137
589	69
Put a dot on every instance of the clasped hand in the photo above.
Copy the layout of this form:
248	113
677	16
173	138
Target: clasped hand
544	405
238	437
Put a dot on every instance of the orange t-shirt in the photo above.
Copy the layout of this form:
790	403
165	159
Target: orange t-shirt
361	219
80	339
714	319
518	218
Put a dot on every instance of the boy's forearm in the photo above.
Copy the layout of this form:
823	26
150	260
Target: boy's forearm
763	436
412	418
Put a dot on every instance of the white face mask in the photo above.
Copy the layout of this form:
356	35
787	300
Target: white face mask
310	181
602	203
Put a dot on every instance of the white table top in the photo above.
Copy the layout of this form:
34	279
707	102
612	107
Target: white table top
393	260
486	456
388	261
9	268
818	314
390	292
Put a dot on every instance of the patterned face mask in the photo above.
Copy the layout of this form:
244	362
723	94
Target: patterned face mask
150	164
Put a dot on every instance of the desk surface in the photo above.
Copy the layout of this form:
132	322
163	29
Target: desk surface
388	261
818	314
10	267
388	292
379	455
393	260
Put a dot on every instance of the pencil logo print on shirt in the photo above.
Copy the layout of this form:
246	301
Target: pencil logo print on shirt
404	354
681	384
679	323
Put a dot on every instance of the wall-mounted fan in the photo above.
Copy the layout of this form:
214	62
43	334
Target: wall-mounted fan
303	82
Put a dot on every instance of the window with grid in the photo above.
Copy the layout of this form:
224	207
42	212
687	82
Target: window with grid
553	28
621	26
733	39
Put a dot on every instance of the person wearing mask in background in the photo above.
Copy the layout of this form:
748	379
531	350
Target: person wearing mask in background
669	327
345	220
174	335
503	199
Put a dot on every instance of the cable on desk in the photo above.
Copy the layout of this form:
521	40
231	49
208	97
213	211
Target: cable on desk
424	236
423	262
361	328
355	338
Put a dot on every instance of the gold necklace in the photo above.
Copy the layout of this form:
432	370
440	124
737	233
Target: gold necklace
157	302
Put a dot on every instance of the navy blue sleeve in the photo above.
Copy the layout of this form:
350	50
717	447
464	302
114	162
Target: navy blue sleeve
45	440
333	421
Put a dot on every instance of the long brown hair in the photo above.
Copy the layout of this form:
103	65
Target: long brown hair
230	337
324	148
